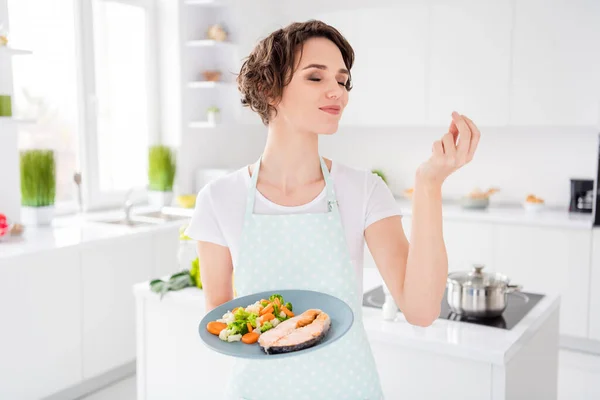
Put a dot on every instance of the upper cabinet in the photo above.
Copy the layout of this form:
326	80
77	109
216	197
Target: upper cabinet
556	63
469	61
388	76
502	62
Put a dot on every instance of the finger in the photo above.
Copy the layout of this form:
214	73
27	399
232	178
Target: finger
475	135
464	140
449	148
453	130
437	148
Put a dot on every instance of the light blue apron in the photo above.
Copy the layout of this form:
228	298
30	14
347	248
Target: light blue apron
303	251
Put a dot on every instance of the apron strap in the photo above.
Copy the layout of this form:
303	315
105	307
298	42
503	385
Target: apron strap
331	199
252	188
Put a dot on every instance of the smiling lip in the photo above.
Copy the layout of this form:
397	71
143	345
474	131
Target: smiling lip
335	110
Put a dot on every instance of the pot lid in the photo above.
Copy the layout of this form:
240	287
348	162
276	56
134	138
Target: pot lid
478	279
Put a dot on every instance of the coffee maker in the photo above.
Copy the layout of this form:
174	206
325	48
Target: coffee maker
582	195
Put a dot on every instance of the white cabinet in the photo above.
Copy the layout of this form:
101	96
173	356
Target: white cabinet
469	65
556	65
165	246
549	260
594	330
389	73
109	270
40	338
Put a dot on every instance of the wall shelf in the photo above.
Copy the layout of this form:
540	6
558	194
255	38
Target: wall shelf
205	3
13	52
208	84
208	43
201	125
12	120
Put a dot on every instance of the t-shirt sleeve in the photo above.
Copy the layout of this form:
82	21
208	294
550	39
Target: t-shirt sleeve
204	225
380	202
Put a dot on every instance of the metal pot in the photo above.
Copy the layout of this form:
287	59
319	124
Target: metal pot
476	294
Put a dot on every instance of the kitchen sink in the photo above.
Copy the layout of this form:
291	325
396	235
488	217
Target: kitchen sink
160	215
134	222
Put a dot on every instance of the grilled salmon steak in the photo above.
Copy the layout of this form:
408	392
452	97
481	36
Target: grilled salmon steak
297	333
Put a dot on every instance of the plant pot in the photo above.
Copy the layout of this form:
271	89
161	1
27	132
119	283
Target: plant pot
37	216
160	199
213	117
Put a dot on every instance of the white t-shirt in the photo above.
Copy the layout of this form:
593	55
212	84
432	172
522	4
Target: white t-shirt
363	199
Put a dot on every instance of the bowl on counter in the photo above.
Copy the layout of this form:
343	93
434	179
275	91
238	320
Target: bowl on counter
474	203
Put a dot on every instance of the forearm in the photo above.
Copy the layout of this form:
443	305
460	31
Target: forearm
427	261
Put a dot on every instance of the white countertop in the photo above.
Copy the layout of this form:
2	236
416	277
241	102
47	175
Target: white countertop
501	214
74	231
510	214
454	338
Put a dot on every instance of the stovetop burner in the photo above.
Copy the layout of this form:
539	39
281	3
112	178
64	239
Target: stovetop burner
516	309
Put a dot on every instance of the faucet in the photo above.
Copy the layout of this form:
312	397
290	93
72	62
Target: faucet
127	206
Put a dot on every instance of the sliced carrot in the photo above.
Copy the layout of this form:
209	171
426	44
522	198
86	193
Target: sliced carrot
267	309
276	301
215	327
249	326
268	317
234	310
287	312
250	337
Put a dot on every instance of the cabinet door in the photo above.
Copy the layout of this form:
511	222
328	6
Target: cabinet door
40	339
470	61
110	269
389	70
165	248
594	331
556	65
549	260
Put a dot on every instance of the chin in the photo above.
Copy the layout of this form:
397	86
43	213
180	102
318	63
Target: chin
328	129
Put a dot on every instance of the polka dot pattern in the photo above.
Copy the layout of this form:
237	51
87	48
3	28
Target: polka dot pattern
303	251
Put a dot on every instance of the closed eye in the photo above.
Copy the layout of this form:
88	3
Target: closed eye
318	80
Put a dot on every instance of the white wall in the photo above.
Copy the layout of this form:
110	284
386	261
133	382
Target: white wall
540	158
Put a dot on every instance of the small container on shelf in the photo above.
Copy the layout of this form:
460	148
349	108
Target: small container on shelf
213	114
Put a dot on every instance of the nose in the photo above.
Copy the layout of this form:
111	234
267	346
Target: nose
334	92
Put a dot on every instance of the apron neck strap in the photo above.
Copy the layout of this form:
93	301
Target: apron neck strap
331	199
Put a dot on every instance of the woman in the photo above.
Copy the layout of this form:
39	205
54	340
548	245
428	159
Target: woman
297	220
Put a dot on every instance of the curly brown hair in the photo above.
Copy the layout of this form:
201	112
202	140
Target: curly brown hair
270	65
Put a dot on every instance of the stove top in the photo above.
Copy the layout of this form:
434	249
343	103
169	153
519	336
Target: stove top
516	309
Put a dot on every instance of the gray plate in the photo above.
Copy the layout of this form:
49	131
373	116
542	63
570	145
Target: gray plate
340	313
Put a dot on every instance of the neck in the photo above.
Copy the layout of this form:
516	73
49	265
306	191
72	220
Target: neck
290	158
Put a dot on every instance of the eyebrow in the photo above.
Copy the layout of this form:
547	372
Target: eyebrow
324	67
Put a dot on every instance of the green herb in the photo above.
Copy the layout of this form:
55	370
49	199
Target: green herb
195	273
38	178
161	168
177	281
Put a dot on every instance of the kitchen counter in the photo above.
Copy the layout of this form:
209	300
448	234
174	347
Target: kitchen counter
510	214
464	340
502	214
68	231
455	354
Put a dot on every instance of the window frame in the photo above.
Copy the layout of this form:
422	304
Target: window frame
93	198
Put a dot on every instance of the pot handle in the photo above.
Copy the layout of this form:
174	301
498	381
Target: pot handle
516	290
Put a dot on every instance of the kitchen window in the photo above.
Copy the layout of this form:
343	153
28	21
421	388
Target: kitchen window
94	65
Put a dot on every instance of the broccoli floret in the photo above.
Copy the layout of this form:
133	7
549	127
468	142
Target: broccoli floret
252	319
240	314
238	327
288	305
278	296
266	326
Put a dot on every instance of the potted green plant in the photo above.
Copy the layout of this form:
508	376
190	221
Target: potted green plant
212	114
38	186
161	175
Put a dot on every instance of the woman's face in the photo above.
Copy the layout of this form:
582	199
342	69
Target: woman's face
316	97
